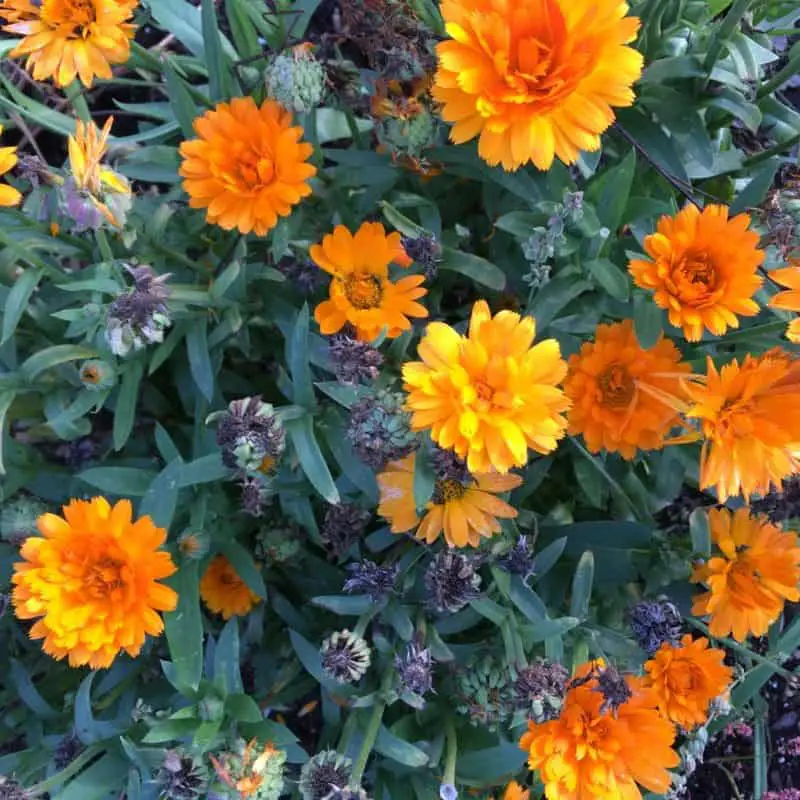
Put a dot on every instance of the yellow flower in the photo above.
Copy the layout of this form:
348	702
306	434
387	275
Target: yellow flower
489	395
749	416
622	393
65	39
704	269
93	581
535	79
361	293
224	592
686	678
465	509
247	167
757	571
790	299
9	196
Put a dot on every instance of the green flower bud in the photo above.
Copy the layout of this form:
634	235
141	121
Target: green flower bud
18	518
97	374
296	80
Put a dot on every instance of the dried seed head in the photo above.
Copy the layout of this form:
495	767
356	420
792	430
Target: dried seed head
451	581
345	656
367	577
322	773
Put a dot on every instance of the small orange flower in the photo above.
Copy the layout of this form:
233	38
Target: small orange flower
621	393
704	269
65	39
516	792
749	416
587	753
248	166
757	572
465	510
360	290
790	299
224	592
9	196
94	582
687	678
535	79
490	395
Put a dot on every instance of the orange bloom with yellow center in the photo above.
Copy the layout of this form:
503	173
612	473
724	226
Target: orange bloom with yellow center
92	580
535	80
465	510
489	395
621	392
587	753
9	196
224	592
789	277
65	39
360	290
248	166
757	571
516	792
687	678
704	269
749	416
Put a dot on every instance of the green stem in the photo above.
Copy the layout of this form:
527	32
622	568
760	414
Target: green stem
451	752
373	726
733	645
104	245
724	31
74	93
365	619
61	777
781	76
775	150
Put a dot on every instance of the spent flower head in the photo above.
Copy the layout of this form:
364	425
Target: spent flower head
354	361
415	669
250	434
322	773
380	430
451	581
654	622
343	525
345	656
367	577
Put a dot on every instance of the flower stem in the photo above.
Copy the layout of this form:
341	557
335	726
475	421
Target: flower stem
373	726
723	33
104	245
791	69
365	619
775	150
451	753
61	777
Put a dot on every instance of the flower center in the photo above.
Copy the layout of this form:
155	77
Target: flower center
447	490
253	169
694	279
363	291
684	679
484	391
76	15
103	577
616	387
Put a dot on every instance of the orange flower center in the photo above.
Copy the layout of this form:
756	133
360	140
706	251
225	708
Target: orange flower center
252	169
694	279
75	15
103	577
484	391
616	386
447	490
683	678
363	291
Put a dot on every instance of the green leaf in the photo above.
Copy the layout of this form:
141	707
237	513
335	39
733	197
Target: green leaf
168	730
206	469
424	478
582	582
490	765
700	533
97	781
754	193
391	746
474	267
89	729
125	410
162	495
120	481
54	356
6	399
548	557
654	142
301	434
227	675
28	693
199	358
180	99
400	221
184	629
184	22
245	566
297	358
344	605
243	31
332	125
551	628
648	319
219	71
526	600
243	708
609	192
17	301
610	277
553	297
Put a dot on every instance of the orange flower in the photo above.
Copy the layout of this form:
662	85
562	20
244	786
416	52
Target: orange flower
515	792
224	592
535	79
9	196
360	290
756	573
704	269
489	395
750	418
621	393
687	678
67	38
93	581
247	166
586	753
788	300
465	510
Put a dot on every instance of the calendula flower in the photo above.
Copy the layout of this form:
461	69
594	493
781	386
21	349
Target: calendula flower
247	166
361	292
788	300
686	678
516	792
704	269
224	592
749	416
489	395
464	510
756	572
9	196
621	392
92	580
65	39
586	753
535	80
